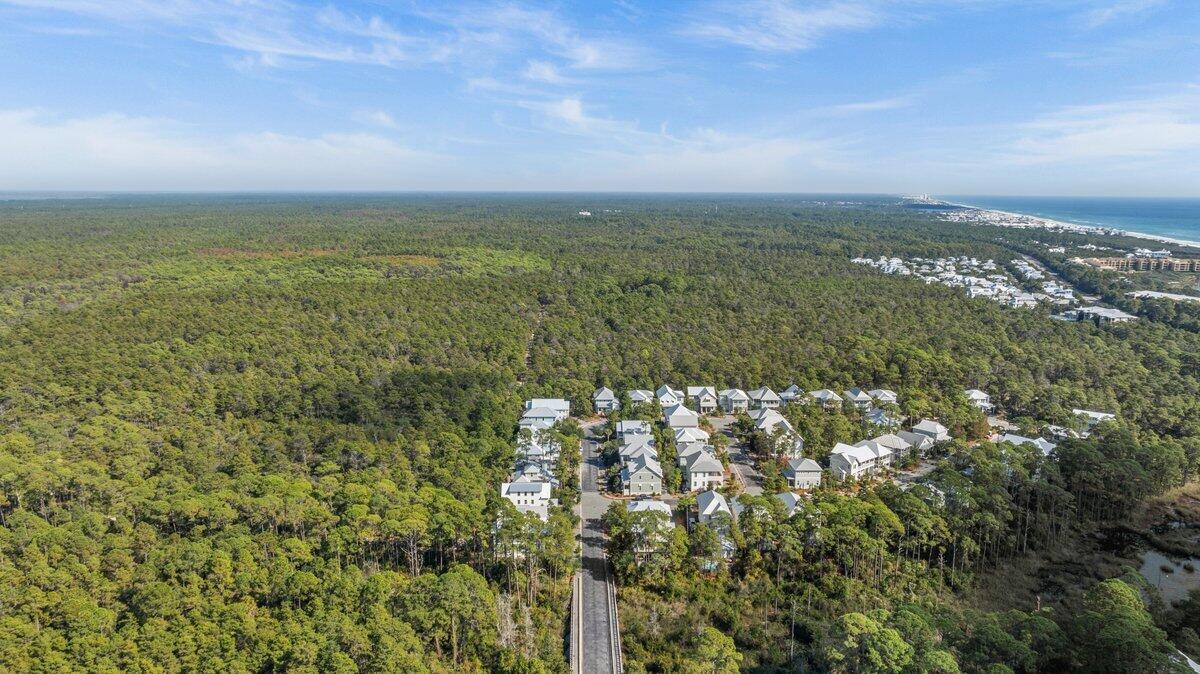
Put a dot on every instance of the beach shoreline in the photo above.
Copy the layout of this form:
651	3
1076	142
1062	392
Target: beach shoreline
1036	221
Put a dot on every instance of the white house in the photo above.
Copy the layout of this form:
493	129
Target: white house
829	399
529	497
766	419
635	452
859	398
678	416
543	416
561	407
632	427
884	455
632	443
790	394
669	397
1044	445
884	396
764	399
860	460
685	451
534	424
686	435
790	501
641	475
704	398
894	442
648	543
918	441
770	422
640	396
644	505
1091	419
802	474
935	431
979	399
604	400
702	471
733	400
1102	315
710	504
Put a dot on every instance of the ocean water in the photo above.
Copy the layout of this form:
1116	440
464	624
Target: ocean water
1174	218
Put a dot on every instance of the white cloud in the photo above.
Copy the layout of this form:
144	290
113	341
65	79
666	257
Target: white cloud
878	105
1121	9
376	118
569	110
567	115
510	26
1165	127
279	32
541	71
782	25
118	152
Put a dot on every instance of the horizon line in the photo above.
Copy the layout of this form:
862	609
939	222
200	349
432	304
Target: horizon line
14	195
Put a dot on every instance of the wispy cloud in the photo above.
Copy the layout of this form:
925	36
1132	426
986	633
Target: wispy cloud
511	25
376	118
1118	10
878	105
781	25
567	115
547	73
275	33
1151	128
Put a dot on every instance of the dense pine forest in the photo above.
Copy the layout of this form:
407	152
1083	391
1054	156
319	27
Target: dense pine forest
259	434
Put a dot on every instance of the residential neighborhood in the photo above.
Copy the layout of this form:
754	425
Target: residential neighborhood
699	422
1025	286
676	459
531	485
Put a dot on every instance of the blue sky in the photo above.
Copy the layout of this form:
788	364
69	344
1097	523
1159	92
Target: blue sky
1087	97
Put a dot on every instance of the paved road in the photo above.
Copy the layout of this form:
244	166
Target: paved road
597	619
741	463
743	468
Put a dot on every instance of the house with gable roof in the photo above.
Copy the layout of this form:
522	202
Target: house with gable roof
669	397
702	471
703	398
980	400
935	431
764	399
642	475
733	400
858	461
859	398
790	394
678	416
802	474
828	399
604	400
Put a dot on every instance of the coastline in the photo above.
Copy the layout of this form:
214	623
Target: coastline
1049	223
